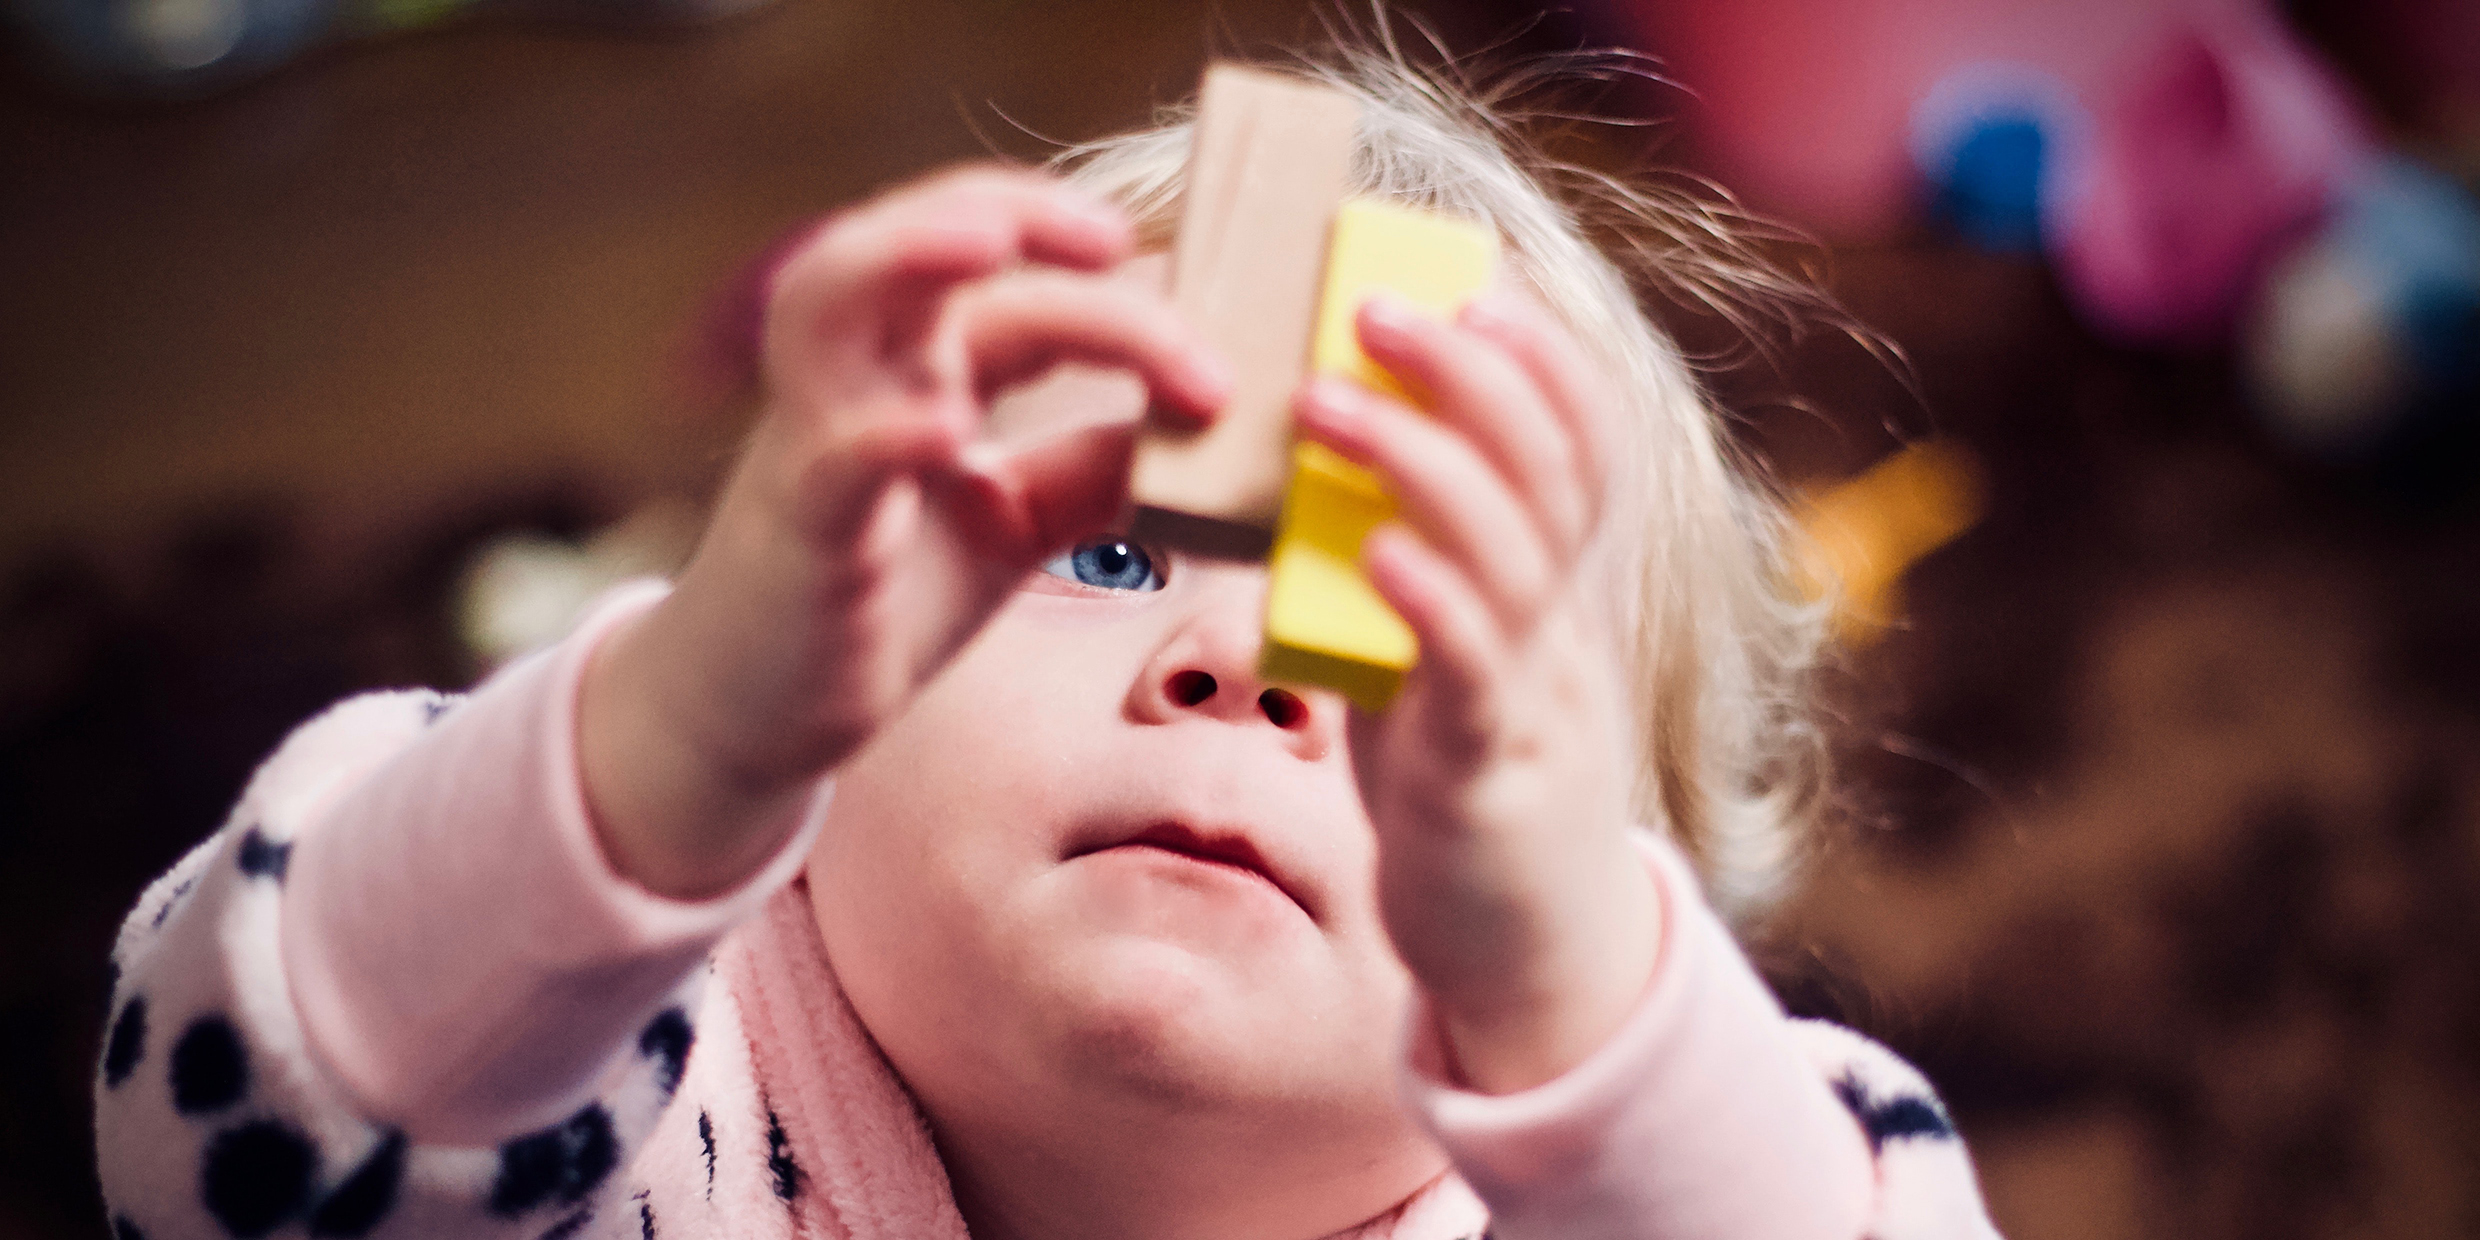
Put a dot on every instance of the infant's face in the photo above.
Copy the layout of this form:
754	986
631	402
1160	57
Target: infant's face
1004	889
1097	871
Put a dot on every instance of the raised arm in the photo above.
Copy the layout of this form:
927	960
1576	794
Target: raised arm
443	963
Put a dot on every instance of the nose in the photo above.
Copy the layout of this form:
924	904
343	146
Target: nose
1205	666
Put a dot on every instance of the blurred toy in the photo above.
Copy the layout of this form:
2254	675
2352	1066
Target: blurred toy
186	48
1858	538
1988	139
2367	336
2220	149
2187	167
2156	150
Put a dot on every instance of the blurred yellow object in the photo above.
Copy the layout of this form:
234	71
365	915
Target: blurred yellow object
1325	624
1858	538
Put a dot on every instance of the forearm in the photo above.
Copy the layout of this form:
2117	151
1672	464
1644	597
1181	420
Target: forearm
673	800
1699	1117
1550	978
463	955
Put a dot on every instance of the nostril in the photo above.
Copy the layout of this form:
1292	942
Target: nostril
1191	688
1283	707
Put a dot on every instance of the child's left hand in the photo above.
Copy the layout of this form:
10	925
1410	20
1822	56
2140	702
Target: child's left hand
1498	780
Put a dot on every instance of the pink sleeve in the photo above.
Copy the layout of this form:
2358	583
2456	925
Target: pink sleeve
464	959
1704	1118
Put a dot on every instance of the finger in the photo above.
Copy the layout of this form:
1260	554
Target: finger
1060	224
1030	216
890	261
1460	647
1016	328
1442	487
1477	388
1025	501
1579	393
844	481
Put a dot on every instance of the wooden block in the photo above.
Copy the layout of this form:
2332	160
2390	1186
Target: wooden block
1269	162
1325	624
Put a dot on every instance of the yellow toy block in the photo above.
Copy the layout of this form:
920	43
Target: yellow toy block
1325	624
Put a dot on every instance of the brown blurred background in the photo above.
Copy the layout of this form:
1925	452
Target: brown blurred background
2159	846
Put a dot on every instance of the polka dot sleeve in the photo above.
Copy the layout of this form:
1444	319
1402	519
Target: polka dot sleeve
219	1115
213	1120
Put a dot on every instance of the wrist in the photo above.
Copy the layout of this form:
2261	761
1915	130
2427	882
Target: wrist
673	812
1594	961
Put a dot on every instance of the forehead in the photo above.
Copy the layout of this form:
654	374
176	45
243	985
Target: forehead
1077	394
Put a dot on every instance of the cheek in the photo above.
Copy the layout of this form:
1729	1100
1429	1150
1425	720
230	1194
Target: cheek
898	913
933	826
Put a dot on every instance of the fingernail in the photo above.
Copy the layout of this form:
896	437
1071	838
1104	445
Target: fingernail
1335	403
1494	308
1102	219
1388	313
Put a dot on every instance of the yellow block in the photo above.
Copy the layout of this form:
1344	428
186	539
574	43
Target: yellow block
1325	624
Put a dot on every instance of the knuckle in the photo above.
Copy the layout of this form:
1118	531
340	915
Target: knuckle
970	179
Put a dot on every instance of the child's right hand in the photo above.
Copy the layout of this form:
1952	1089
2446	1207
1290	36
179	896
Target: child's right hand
868	531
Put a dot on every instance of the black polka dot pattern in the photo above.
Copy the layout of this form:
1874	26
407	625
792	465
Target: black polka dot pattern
366	1196
257	1177
1889	1119
779	1161
560	1164
172	901
127	1044
210	1070
667	1040
569	1226
645	1218
260	857
123	1229
706	1137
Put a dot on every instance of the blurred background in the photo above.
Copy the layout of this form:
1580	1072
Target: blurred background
349	343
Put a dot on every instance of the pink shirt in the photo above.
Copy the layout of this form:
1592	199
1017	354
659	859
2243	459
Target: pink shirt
402	993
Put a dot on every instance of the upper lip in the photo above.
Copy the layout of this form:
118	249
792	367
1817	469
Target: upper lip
1220	846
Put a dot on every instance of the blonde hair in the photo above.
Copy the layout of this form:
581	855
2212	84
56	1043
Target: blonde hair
1730	765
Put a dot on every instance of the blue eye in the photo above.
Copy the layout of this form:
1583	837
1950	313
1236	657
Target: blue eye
1107	563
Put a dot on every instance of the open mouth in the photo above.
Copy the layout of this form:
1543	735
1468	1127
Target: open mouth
1227	850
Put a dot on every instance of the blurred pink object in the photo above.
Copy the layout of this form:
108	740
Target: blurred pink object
2206	136
2224	148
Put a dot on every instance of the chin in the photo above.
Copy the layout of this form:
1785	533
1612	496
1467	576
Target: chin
1165	1020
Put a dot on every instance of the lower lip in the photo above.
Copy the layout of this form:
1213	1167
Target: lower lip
1190	868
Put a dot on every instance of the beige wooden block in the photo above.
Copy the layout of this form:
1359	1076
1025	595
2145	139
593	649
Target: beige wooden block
1270	161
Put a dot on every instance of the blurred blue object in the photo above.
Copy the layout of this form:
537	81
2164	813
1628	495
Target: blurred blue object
1992	193
168	47
187	48
2366	338
2421	233
1993	144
